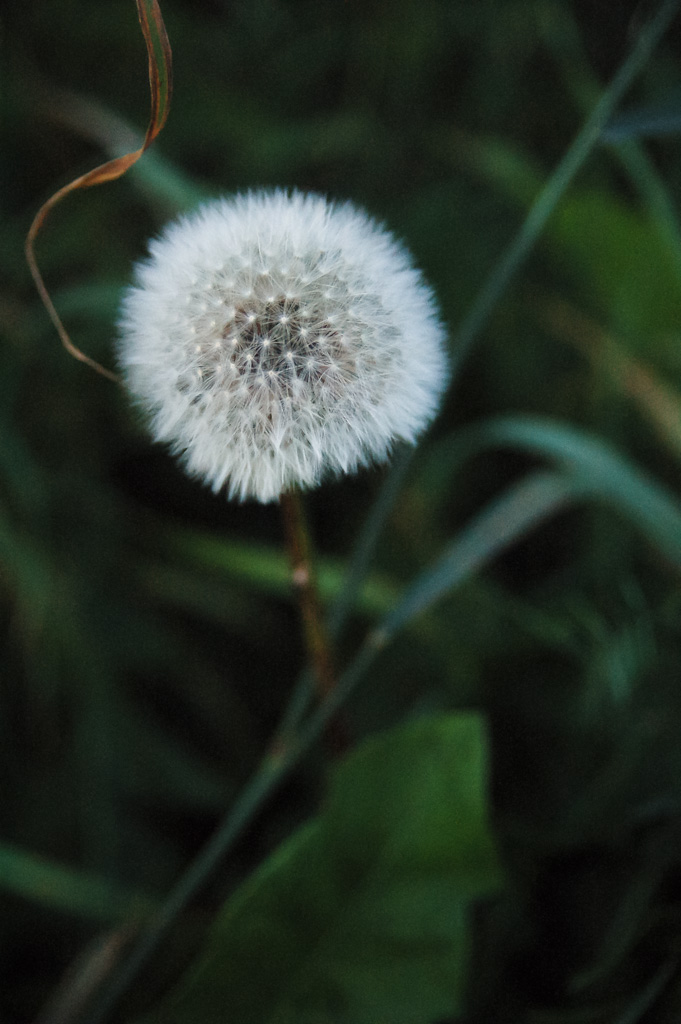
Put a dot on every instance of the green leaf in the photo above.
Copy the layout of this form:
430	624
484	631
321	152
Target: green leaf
362	916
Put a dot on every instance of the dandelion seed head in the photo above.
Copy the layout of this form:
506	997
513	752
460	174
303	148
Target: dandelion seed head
275	338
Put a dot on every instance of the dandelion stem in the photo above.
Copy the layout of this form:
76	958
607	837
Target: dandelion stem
317	640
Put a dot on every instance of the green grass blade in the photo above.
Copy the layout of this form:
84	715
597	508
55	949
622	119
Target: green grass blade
547	201
647	997
360	560
623	130
604	472
65	889
504	521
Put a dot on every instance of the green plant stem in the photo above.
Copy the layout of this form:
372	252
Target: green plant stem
284	753
305	584
355	575
274	768
547	200
317	640
563	39
242	812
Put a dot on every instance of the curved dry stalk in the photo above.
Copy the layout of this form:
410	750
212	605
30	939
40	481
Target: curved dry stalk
161	86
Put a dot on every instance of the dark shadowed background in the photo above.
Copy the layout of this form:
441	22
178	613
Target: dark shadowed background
148	639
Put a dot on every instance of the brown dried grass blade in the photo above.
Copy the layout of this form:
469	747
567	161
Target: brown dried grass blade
161	86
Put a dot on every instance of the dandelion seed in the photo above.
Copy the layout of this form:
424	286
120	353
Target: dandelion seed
348	306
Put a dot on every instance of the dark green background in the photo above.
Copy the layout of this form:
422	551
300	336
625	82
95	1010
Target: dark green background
147	638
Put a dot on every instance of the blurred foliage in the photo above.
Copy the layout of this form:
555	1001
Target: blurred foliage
149	641
361	914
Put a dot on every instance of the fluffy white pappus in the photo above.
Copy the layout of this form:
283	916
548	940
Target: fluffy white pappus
274	338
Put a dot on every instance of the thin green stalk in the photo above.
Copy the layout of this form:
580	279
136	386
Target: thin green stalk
563	39
363	551
243	811
274	768
548	199
356	573
305	585
317	638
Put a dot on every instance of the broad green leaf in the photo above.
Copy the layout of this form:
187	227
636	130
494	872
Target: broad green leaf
361	917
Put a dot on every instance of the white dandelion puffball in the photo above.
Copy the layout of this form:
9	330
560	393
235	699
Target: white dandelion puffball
275	338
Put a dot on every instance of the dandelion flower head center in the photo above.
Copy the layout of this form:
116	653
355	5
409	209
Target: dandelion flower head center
275	338
262	339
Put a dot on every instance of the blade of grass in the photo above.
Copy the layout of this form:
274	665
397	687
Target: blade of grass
548	199
608	475
84	977
165	183
260	788
503	522
265	569
160	83
363	552
648	995
649	121
621	132
65	889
